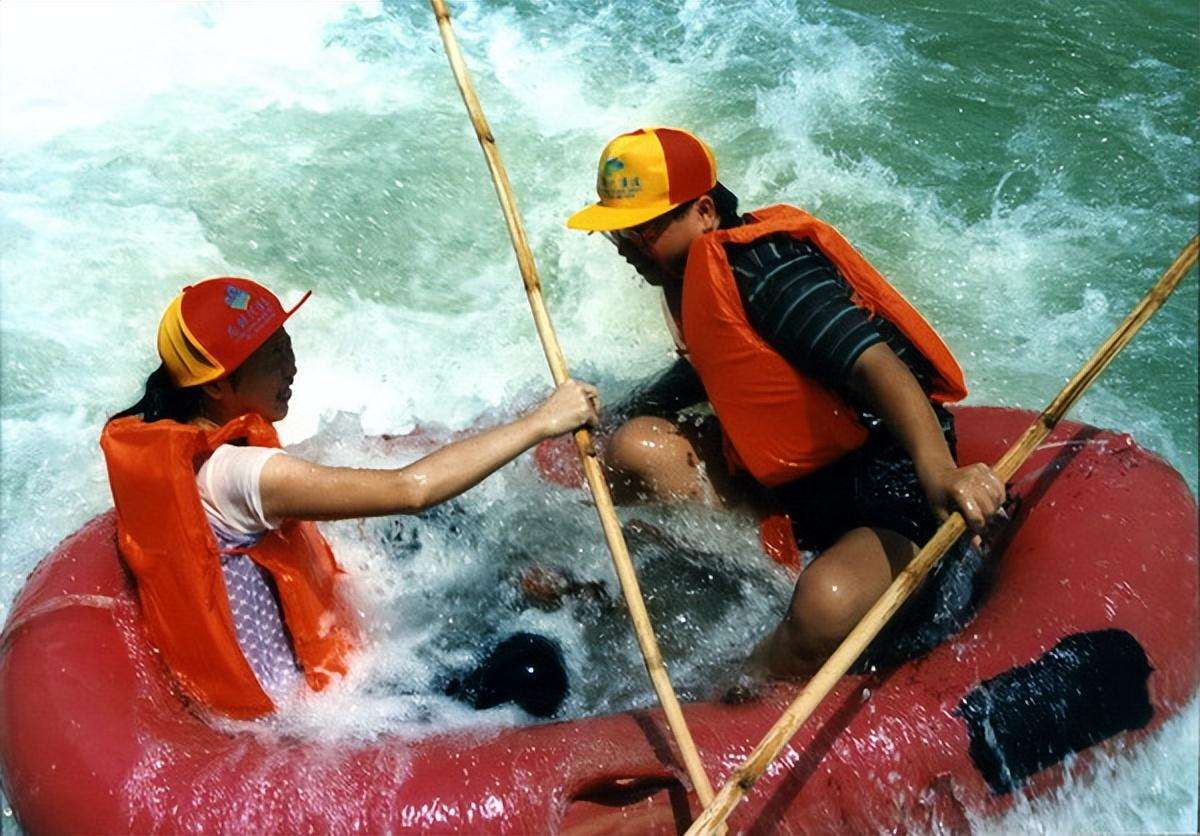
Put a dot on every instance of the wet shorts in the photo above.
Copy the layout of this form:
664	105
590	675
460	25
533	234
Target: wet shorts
874	486
877	486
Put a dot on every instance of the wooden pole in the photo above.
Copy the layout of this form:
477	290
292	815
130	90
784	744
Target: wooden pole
583	439
742	778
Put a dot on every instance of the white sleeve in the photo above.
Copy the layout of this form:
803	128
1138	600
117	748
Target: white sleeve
229	489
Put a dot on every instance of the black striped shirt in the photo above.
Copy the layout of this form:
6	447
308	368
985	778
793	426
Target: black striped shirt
798	302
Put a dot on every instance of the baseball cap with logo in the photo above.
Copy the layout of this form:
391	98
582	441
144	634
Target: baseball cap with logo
210	328
644	174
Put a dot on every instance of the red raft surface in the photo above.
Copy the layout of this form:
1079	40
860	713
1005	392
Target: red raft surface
1087	638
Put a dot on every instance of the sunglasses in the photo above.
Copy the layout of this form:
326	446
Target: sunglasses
644	235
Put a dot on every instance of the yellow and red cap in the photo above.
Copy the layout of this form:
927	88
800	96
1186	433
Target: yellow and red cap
210	328
644	174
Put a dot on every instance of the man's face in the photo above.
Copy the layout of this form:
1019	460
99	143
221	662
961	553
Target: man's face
658	248
639	260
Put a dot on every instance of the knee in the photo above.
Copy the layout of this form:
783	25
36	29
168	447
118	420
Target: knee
650	459
644	446
828	602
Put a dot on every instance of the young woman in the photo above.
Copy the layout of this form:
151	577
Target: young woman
238	588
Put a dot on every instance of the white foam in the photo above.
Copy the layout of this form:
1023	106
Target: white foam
69	65
1147	788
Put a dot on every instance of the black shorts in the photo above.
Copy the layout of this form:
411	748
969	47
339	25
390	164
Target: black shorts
877	486
874	486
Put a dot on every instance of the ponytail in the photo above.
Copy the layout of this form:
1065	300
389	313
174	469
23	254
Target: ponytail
163	400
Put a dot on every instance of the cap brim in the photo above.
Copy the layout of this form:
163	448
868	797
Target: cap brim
287	314
600	218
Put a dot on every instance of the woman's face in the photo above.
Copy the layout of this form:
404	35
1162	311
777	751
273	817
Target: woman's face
262	384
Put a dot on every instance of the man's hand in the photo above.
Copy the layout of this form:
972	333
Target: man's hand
975	491
883	382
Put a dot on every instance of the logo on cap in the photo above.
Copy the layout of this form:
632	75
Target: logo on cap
236	298
646	173
257	316
613	185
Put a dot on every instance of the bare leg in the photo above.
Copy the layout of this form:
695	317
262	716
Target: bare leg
830	598
650	459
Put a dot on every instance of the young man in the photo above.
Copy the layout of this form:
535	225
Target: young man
827	385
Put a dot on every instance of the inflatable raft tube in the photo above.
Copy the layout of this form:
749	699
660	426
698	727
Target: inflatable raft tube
1087	637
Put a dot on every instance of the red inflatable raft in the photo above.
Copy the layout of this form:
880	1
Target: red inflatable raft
1087	636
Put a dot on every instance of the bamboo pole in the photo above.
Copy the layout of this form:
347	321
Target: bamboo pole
583	440
742	778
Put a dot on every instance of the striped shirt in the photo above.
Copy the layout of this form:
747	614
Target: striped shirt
797	301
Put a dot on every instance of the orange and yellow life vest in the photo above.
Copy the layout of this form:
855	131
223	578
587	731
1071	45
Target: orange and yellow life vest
167	543
780	423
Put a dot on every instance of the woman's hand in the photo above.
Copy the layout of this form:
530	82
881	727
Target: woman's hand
572	405
975	491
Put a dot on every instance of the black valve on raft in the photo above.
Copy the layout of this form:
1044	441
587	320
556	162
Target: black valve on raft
525	668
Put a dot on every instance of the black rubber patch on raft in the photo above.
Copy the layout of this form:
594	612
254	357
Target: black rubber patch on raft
1089	687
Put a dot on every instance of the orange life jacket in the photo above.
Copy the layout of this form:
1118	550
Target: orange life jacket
166	541
780	423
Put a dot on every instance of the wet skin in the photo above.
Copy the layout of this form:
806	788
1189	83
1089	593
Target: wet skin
292	488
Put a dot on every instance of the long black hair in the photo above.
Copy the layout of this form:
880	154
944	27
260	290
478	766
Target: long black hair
163	400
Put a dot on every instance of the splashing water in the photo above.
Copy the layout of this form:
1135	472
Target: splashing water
1022	174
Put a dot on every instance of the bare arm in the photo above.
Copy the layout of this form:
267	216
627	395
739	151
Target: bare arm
884	383
293	488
